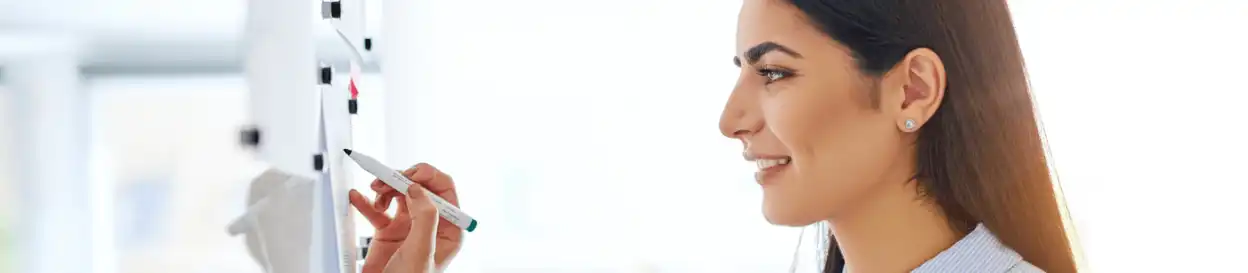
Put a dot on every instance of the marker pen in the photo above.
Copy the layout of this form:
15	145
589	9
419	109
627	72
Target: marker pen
399	182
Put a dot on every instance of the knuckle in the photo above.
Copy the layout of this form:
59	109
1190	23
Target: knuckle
424	166
442	175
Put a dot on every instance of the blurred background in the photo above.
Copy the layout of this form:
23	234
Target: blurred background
119	136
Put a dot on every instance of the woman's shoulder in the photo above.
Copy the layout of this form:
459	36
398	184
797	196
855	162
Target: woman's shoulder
979	251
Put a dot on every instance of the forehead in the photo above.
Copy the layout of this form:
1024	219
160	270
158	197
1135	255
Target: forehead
773	20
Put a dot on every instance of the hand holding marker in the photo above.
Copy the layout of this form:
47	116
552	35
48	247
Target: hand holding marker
399	182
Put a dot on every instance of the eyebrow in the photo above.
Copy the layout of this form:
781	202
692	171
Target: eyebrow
755	53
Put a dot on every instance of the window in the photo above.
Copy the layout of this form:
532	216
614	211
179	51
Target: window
169	148
8	191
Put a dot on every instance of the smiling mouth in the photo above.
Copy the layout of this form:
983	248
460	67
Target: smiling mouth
764	164
769	167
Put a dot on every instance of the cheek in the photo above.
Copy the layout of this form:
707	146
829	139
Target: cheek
840	145
819	122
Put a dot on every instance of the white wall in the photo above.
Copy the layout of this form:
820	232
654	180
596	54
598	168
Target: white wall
1141	103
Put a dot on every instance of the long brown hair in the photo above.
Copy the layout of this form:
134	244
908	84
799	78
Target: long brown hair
980	157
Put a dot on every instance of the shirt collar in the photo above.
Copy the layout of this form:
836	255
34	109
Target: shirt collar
979	251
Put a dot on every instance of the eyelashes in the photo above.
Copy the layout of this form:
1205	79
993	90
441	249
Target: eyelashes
772	75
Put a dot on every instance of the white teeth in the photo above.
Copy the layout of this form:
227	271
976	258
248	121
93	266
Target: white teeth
763	164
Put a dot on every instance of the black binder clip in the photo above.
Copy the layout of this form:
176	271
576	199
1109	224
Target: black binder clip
327	74
250	137
365	243
318	162
331	10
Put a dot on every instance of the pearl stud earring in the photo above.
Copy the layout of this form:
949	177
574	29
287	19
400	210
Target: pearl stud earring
910	125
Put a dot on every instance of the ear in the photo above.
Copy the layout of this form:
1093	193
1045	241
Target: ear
918	86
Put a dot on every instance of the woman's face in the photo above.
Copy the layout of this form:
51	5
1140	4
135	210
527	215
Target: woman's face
801	100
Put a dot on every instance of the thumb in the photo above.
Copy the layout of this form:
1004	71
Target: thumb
416	252
421	208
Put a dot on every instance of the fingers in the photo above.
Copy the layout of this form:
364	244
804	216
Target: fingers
402	209
379	187
416	252
435	181
385	193
419	205
384	200
382	188
378	218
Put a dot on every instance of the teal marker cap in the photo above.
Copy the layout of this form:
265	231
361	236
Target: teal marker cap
472	226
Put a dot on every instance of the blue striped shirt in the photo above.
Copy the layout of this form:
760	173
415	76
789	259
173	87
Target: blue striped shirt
979	251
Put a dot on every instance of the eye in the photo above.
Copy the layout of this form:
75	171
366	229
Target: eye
773	75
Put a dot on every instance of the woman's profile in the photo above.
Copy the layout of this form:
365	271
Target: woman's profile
906	126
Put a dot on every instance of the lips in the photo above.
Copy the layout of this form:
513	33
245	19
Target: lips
769	167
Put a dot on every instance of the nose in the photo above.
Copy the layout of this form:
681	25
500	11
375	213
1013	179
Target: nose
741	116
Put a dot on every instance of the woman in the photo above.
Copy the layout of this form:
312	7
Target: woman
906	125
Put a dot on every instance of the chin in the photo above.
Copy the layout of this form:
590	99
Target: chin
786	212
